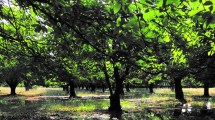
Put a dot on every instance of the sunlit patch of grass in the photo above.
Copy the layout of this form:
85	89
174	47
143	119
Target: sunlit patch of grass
4	90
33	92
53	92
159	101
92	94
198	91
90	105
127	105
163	91
166	98
156	97
79	106
198	103
187	91
21	91
63	108
88	94
193	91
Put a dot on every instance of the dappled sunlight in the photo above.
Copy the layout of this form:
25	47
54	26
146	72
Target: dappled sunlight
198	91
55	103
22	91
79	108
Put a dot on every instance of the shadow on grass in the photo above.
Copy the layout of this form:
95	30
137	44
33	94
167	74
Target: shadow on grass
12	107
53	106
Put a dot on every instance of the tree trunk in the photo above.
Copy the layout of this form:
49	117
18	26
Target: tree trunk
151	85
66	88
178	90
115	98
107	79
115	103
71	89
103	88
127	87
13	90
93	87
87	87
147	85
206	89
27	88
27	85
172	86
12	84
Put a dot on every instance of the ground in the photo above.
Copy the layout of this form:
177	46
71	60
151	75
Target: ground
53	103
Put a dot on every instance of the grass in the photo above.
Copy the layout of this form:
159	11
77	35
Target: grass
86	105
96	103
21	91
78	106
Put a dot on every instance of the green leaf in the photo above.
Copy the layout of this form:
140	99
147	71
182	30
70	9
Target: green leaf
167	39
165	21
212	26
193	12
149	15
140	6
210	53
143	2
118	21
116	7
169	2
132	8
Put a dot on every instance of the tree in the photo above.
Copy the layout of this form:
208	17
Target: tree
121	34
155	34
16	34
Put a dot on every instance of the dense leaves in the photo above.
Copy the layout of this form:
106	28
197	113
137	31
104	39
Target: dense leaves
107	42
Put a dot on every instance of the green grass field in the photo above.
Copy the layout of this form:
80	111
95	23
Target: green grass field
53	103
